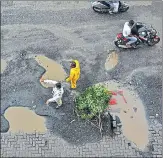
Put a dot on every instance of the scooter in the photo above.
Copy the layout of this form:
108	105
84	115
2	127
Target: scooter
104	7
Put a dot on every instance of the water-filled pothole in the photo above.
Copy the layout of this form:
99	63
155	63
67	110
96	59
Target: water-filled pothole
22	119
131	114
111	61
54	71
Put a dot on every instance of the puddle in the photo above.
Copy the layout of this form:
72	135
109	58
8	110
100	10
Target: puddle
22	119
134	123
54	71
111	61
3	65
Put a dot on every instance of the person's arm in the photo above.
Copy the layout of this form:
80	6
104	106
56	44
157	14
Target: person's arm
124	31
71	76
50	81
129	33
62	91
52	99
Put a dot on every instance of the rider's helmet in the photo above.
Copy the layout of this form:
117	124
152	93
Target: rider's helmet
131	22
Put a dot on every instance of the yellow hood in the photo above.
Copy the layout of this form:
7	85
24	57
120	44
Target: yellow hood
77	64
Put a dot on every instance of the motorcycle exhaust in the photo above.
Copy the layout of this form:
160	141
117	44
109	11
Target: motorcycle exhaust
122	46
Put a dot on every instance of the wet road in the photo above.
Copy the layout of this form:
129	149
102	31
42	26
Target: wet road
69	30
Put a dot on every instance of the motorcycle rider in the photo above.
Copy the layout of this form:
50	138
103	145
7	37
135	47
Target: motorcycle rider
134	30
127	33
113	5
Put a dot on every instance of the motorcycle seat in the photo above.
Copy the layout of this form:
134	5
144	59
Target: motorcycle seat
125	39
120	35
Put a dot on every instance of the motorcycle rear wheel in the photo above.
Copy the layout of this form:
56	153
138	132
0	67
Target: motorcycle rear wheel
116	43
99	10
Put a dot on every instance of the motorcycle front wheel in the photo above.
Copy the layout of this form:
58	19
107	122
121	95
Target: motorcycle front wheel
153	41
98	10
123	9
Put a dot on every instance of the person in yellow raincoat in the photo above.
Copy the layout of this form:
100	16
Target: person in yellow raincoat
74	73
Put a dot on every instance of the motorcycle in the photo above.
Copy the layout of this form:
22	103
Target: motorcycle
145	35
99	7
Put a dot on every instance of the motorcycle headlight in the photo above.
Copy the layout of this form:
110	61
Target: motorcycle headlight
143	33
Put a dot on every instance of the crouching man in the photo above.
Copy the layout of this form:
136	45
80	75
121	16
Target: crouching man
57	92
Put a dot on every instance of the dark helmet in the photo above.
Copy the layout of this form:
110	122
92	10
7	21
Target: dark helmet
131	22
58	85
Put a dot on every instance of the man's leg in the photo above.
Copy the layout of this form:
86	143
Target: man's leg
59	102
50	100
131	40
110	5
116	6
73	84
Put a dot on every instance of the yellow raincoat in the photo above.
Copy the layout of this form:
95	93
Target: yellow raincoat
74	74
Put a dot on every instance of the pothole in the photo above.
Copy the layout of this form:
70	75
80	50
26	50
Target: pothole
111	61
3	65
54	71
22	119
131	114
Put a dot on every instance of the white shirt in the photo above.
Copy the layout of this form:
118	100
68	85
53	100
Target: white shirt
57	93
126	29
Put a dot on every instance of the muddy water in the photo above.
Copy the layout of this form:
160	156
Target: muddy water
111	61
54	71
134	123
22	119
3	65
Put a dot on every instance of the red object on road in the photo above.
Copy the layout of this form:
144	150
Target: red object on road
114	93
112	101
121	93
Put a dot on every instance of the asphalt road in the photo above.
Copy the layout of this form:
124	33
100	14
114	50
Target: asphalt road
69	30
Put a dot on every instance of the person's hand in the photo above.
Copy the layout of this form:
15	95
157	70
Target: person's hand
67	79
41	80
47	102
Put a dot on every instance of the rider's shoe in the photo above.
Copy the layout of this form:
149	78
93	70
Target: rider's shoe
110	12
128	45
133	45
